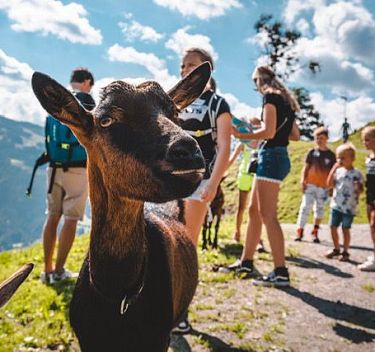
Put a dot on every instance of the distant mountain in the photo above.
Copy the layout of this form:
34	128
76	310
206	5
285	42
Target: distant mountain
21	217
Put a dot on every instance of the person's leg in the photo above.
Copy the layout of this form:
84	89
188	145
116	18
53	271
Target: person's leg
320	198
195	211
346	233
254	225
49	236
371	218
335	237
268	196
67	235
304	211
242	203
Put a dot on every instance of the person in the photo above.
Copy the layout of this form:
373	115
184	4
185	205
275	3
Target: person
214	142
279	126
347	183
244	181
68	195
368	138
318	163
345	130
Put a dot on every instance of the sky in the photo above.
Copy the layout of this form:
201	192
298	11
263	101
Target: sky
138	40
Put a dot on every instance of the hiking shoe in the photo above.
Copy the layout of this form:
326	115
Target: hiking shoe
239	266
314	234
368	265
344	257
299	234
277	278
333	253
64	275
47	278
261	249
183	327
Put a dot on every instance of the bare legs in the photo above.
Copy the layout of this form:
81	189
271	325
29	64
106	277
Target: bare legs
263	209
242	203
67	235
195	211
371	219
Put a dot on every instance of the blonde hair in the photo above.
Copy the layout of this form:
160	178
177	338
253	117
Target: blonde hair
255	120
369	131
268	82
321	130
347	147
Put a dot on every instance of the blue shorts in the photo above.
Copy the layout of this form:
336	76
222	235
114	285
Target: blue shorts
273	164
337	217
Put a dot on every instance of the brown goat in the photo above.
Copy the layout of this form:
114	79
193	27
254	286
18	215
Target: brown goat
9	286
141	270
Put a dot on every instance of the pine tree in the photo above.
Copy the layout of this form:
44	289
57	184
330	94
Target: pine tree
280	49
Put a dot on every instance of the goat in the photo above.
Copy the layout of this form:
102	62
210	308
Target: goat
141	270
9	286
216	211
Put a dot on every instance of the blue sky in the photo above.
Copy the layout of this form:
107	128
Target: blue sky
140	40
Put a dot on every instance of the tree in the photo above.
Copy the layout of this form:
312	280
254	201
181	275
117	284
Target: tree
280	49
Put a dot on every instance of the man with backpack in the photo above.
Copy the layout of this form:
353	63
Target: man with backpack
67	183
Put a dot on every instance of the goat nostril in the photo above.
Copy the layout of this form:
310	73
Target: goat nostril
180	153
182	150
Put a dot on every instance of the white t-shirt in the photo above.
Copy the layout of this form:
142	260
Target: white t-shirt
344	197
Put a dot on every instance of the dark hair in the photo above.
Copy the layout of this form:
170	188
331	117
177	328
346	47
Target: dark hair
80	75
205	56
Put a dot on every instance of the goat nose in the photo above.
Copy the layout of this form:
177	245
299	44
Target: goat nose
184	150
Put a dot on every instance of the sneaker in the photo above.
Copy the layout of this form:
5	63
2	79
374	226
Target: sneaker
64	275
239	266
277	278
333	253
261	249
299	234
47	278
183	327
314	234
368	265
344	257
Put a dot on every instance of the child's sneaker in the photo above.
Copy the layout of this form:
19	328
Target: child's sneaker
277	278
344	257
333	253
239	266
299	234
64	275
314	234
368	265
47	278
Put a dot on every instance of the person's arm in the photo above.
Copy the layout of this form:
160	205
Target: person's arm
224	123
294	133
331	176
358	185
305	171
266	131
235	154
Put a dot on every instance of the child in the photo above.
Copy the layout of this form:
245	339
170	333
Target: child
244	181
347	183
368	138
318	163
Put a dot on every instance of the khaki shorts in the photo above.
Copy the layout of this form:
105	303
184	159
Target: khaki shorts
69	193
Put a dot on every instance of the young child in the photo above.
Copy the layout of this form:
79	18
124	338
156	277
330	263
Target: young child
347	183
318	163
368	138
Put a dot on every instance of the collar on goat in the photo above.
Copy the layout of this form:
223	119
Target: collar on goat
128	298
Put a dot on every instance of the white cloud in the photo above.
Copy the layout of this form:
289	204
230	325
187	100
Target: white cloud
203	9
303	26
17	100
295	7
182	40
359	111
238	108
133	30
68	22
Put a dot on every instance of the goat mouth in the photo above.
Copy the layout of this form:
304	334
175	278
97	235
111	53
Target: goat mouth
187	172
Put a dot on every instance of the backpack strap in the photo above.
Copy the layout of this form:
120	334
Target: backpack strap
43	159
213	110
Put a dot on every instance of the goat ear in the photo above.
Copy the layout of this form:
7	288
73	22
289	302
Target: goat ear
9	286
191	87
61	104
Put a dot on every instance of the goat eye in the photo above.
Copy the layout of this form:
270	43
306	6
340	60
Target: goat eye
106	122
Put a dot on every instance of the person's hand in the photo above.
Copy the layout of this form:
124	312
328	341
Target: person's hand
208	193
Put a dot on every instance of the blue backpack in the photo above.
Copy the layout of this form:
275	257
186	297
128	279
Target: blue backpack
62	147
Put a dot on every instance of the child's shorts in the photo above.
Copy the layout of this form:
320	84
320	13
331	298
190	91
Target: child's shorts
273	164
337	217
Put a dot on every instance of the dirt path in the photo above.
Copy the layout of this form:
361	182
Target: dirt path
330	306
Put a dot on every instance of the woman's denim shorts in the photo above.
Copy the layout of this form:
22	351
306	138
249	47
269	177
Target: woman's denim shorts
273	164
